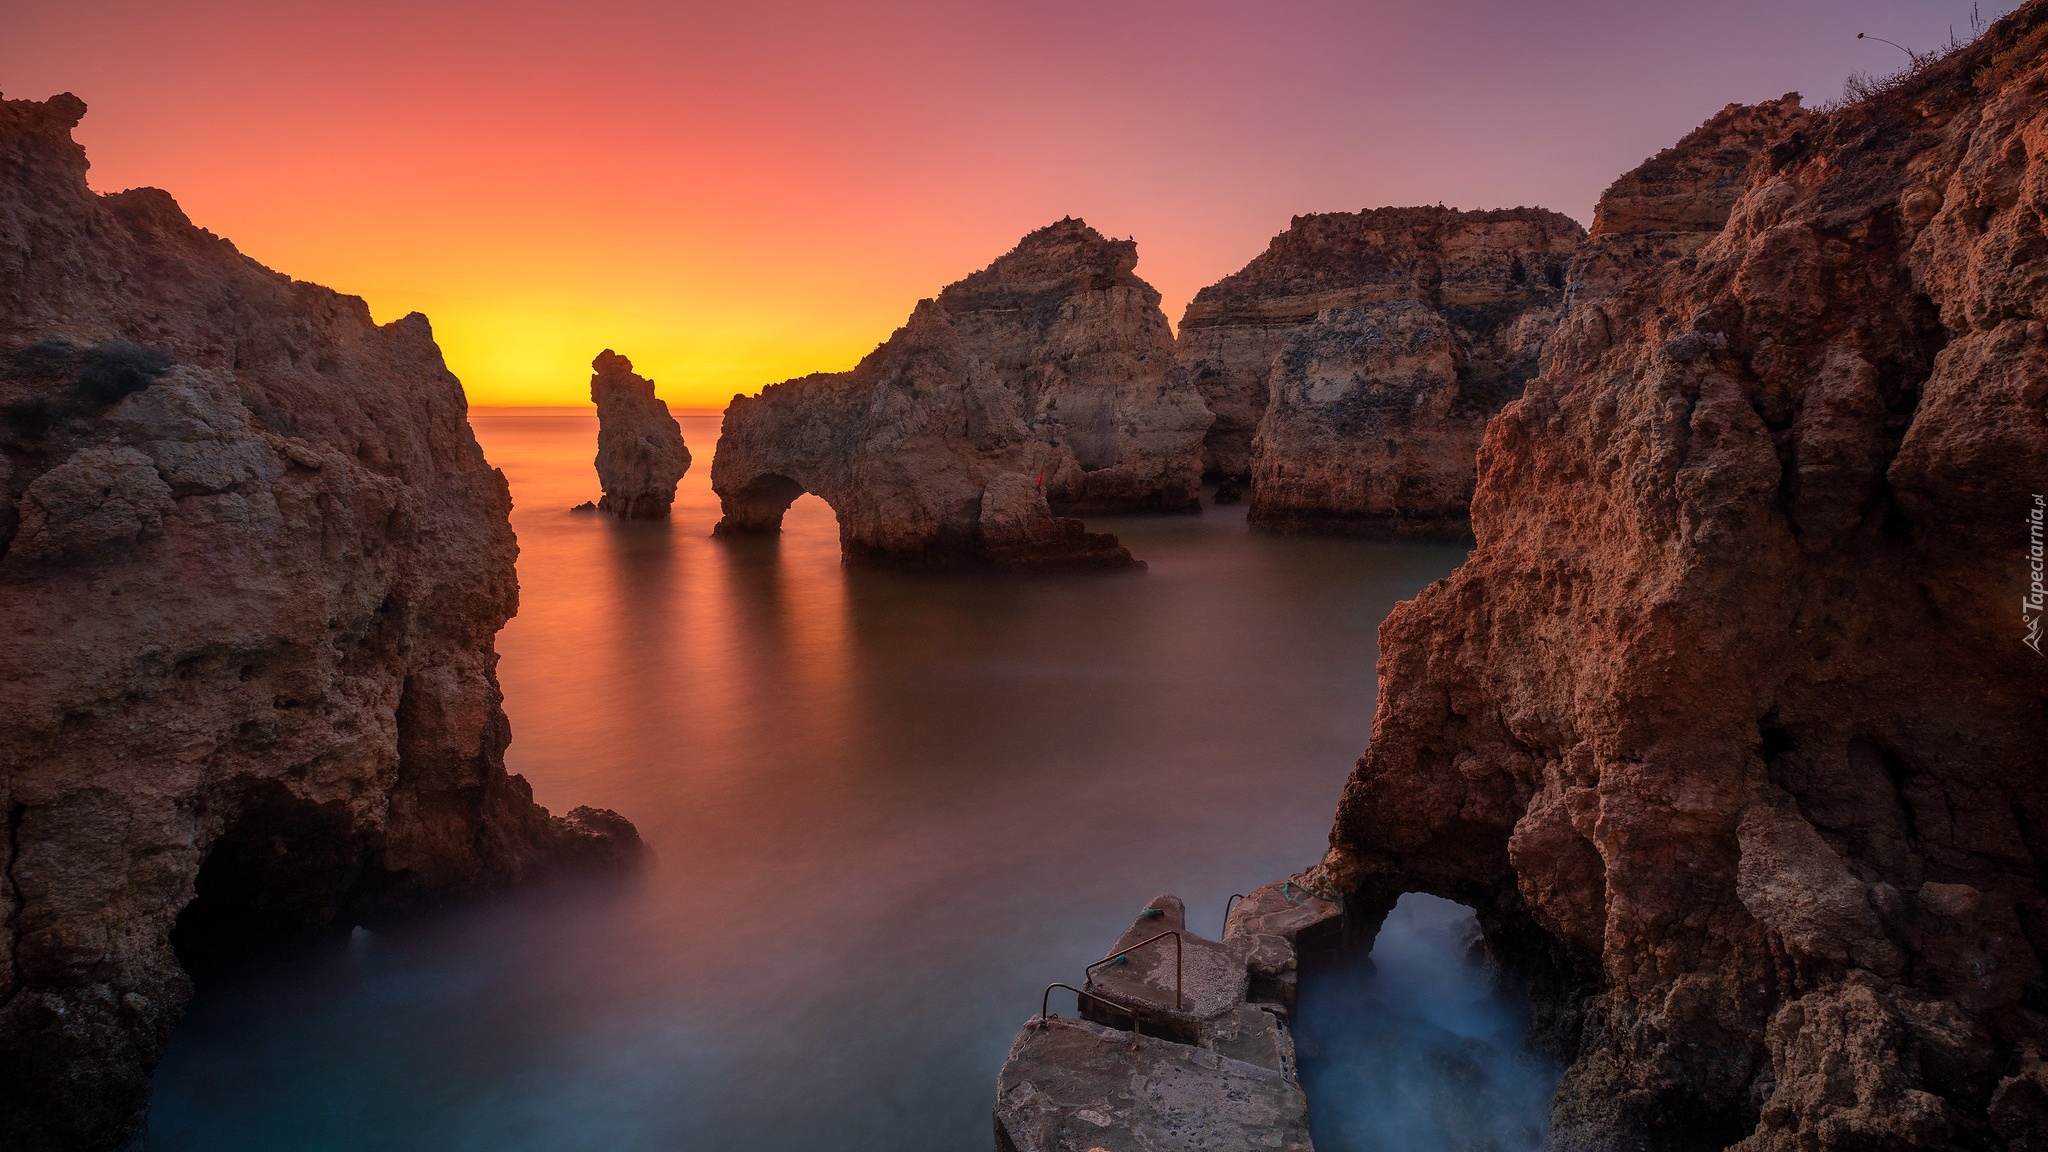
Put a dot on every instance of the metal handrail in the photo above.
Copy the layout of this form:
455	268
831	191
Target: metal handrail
1124	955
1227	906
1045	1003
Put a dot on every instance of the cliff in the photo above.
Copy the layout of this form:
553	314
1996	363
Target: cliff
1053	363
1728	728
1353	364
251	567
640	451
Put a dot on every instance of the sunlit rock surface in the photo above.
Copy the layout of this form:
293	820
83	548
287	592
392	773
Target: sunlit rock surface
1353	364
640	450
1054	363
1728	728
251	567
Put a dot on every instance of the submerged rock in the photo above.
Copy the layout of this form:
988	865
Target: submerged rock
252	562
640	450
1353	364
1728	729
1054	364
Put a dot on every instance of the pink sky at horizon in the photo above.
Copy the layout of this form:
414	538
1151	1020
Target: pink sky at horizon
733	196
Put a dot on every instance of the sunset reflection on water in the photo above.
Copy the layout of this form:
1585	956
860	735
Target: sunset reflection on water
886	809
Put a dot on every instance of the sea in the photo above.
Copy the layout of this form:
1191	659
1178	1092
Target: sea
885	810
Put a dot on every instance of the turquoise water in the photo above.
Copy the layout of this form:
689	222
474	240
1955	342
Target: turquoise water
886	809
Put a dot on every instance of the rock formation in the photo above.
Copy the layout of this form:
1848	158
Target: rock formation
1728	729
1353	364
1183	1042
1676	201
251	566
1054	364
640	450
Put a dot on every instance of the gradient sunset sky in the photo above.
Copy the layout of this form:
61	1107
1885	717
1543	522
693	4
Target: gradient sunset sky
734	194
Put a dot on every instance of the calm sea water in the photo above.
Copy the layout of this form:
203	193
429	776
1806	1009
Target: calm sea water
886	809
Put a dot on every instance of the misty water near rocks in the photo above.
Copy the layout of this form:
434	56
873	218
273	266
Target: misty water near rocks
1415	1049
885	809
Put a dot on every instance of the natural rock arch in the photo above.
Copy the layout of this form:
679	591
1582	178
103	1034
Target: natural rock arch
1054	364
755	507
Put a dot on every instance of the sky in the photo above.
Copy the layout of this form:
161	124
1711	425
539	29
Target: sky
734	194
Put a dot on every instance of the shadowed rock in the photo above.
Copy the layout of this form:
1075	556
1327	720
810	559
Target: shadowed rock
1053	364
640	450
1353	364
252	563
1728	729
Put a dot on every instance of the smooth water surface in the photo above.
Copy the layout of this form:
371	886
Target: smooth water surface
886	808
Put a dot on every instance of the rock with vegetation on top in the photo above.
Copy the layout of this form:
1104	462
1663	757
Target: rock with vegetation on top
1728	729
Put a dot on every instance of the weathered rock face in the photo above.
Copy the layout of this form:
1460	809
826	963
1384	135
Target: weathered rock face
251	565
1369	430
1679	199
640	450
1053	363
1727	728
1285	349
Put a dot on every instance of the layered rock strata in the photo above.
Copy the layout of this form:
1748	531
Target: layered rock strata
1183	1041
1053	364
640	451
1672	204
1353	364
1728	728
251	567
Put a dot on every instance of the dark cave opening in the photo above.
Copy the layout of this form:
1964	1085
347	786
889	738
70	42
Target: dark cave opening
1410	1035
284	867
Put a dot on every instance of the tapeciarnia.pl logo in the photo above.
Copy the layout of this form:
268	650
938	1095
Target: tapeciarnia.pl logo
2030	605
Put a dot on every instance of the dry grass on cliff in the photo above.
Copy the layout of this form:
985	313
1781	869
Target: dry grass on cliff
1990	53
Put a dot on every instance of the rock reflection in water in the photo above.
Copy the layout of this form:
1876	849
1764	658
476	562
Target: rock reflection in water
885	808
1415	1049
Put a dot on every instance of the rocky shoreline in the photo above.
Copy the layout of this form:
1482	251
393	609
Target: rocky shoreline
252	563
1726	729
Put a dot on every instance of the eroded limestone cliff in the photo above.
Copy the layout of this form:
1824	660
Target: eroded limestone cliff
251	567
1727	728
640	451
1352	366
1053	363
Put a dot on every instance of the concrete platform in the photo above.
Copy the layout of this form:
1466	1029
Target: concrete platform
1211	976
1075	1086
1273	925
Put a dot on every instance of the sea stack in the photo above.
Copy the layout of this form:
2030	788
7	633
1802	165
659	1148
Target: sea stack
1053	366
252	564
1353	365
1729	728
640	451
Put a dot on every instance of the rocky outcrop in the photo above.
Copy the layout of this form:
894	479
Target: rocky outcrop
1671	205
1727	728
1054	363
1353	364
1183	1041
640	451
251	566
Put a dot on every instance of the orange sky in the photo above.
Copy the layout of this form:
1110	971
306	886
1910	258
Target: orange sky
735	194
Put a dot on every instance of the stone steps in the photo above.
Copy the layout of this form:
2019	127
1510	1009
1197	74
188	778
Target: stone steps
1211	1064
